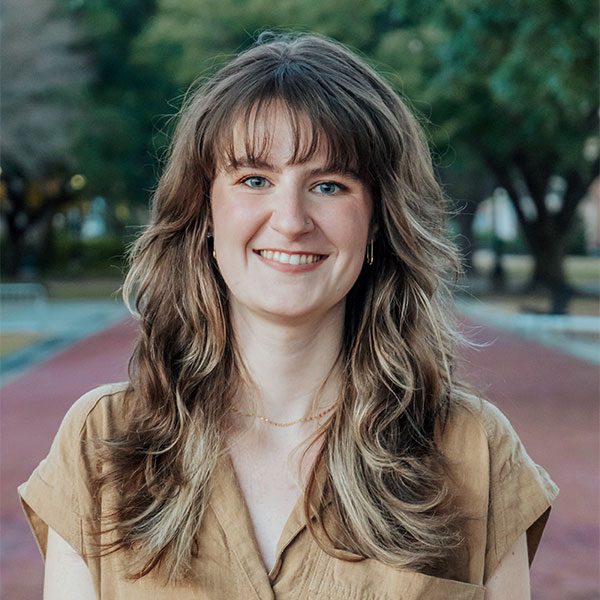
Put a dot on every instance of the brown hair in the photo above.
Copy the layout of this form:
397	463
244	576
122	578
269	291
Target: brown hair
384	473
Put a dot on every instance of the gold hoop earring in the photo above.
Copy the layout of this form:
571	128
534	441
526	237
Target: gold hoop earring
214	252
370	254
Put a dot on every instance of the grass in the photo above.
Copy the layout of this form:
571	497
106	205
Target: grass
11	342
530	303
580	270
83	289
583	273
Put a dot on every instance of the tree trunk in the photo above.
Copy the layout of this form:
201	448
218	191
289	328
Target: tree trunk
13	256
548	250
16	221
549	269
45	248
545	236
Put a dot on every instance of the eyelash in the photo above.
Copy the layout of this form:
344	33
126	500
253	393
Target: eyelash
245	180
340	186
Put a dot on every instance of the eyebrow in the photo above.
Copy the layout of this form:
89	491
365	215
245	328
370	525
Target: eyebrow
246	163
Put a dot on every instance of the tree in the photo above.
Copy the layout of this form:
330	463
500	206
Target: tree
187	39
127	98
94	111
44	77
516	87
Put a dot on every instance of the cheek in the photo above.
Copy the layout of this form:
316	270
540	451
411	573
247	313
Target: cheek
352	228
232	223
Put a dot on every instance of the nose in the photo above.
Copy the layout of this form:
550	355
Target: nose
290	214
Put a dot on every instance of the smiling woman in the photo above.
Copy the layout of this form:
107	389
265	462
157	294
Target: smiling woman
292	426
289	235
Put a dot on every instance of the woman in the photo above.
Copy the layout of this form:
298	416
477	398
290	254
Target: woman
292	427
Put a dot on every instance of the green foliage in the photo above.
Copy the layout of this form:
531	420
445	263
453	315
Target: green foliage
101	256
487	240
497	77
117	152
73	256
504	75
188	38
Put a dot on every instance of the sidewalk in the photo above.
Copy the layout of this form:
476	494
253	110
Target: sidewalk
550	398
32	407
576	335
57	325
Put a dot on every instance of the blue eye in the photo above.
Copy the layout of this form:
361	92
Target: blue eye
328	188
255	182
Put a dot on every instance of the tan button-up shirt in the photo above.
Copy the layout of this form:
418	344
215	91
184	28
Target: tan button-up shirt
502	491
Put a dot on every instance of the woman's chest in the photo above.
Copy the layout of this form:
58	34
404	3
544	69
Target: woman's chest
226	568
270	490
230	563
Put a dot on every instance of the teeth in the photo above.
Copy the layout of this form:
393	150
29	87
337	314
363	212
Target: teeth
292	259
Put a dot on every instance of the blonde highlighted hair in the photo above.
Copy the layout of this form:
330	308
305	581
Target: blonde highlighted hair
384	472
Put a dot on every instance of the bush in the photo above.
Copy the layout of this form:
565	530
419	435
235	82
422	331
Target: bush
575	244
101	256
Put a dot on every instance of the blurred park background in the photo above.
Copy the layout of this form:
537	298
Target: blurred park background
508	94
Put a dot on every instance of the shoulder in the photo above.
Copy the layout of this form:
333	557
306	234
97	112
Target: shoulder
60	491
477	432
478	412
482	448
97	409
473	419
97	415
494	480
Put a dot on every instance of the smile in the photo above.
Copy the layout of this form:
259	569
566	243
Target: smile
290	258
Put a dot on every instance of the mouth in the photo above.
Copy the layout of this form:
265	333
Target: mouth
291	258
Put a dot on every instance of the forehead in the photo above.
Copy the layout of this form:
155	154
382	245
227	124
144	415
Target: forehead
274	133
273	137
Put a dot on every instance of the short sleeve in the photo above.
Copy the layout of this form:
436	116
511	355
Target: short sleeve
520	492
56	493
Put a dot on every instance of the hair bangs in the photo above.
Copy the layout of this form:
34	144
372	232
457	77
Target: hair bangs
245	133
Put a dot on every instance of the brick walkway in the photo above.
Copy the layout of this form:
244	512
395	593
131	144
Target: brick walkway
551	399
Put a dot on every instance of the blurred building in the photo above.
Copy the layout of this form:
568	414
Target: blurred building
590	212
496	215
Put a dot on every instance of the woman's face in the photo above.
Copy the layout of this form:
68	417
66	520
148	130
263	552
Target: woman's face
290	239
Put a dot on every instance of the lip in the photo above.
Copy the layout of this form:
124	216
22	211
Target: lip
290	267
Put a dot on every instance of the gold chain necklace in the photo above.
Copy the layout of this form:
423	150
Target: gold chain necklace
268	421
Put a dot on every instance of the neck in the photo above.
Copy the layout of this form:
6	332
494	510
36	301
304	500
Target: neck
291	365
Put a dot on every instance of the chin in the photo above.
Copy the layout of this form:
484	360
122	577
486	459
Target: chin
298	311
289	313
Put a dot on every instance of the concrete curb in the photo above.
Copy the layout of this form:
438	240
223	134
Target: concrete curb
65	323
553	331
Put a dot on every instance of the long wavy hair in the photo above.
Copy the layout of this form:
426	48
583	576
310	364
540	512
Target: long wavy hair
385	474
